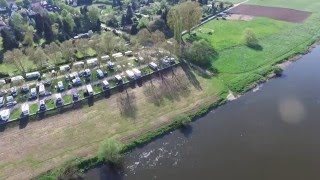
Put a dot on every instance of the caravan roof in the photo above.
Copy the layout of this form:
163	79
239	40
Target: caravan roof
106	57
58	96
41	89
17	79
136	72
92	61
25	108
5	114
130	74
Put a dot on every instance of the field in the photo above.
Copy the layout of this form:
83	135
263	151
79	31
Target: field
42	145
305	5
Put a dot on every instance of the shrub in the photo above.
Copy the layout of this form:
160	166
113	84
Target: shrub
251	38
110	151
277	71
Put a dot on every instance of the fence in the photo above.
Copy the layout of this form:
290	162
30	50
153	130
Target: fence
86	101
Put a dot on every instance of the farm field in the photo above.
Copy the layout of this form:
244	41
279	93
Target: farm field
305	5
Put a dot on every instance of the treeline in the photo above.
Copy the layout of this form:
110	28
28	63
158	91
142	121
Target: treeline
42	26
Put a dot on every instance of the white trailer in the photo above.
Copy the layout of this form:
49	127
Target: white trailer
128	53
92	62
33	75
79	64
105	58
17	79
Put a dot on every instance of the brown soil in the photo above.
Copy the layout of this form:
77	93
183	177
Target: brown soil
283	14
240	17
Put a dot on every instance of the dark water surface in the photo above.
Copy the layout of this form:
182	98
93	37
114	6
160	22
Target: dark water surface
268	134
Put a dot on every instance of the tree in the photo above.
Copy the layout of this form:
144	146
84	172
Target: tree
144	36
158	37
37	56
93	14
3	3
53	51
8	39
68	24
250	38
28	36
16	57
129	14
67	50
48	32
26	3
1	43
110	151
183	17
201	53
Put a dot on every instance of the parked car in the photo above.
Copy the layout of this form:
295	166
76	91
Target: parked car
70	85
110	65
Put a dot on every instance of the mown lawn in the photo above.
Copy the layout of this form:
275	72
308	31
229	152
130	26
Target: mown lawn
239	65
224	34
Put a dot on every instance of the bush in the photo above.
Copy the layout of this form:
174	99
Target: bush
200	53
110	151
251	38
277	71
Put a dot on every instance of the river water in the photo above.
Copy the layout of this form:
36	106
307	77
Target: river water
272	132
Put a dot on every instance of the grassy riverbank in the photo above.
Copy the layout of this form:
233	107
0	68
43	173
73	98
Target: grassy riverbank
156	107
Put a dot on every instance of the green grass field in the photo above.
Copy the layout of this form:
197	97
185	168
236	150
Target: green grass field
226	34
306	5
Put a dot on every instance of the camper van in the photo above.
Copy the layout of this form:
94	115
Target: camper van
25	110
11	101
60	86
89	90
118	79
153	66
105	85
100	74
136	72
42	90
14	91
33	94
33	75
59	100
130	74
4	115
76	81
42	106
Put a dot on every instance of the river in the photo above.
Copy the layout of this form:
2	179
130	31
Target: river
272	132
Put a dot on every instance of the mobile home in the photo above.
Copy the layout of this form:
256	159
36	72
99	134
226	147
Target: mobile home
33	75
92	62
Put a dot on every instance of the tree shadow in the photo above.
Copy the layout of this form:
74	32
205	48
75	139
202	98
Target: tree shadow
23	122
186	130
127	104
191	77
256	47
